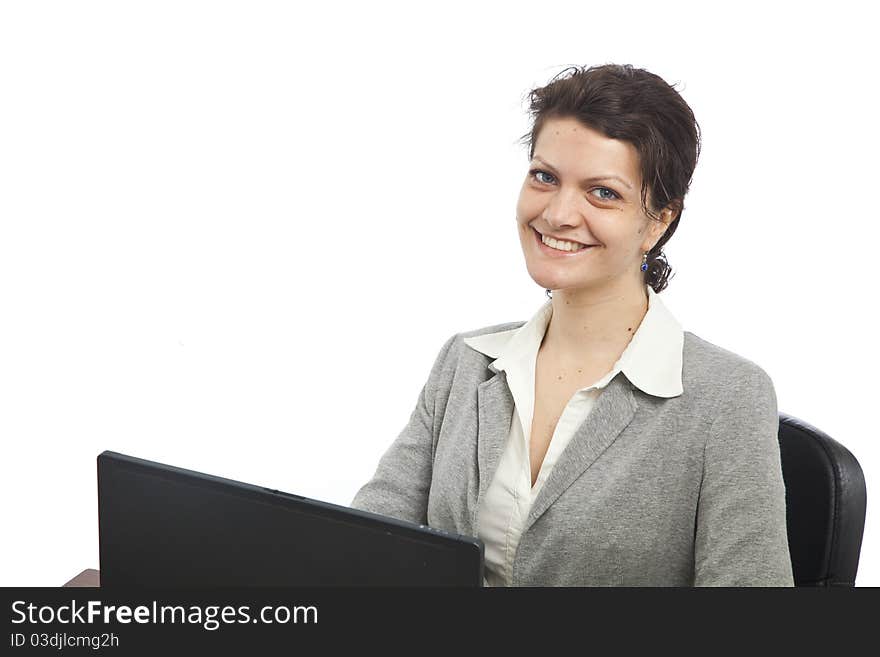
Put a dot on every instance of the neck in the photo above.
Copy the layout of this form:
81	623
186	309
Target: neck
588	323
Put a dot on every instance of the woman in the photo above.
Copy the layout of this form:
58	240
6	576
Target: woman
598	444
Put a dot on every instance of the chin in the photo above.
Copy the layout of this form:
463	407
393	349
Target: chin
550	282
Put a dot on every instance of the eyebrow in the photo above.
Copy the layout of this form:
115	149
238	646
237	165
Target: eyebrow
585	180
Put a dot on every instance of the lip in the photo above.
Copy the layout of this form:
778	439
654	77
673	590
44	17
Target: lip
556	253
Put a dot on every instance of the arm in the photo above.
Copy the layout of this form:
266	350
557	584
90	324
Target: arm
400	485
741	537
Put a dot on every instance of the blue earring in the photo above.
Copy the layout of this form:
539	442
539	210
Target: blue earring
644	262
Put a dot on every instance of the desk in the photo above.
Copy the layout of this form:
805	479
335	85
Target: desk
88	577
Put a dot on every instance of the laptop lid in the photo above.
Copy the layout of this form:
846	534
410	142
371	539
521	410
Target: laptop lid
160	525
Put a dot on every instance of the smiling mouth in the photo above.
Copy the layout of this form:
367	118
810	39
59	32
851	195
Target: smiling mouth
553	244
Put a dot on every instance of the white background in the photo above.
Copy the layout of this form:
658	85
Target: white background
234	235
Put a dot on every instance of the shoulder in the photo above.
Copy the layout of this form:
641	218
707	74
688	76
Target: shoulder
711	373
494	328
456	354
455	345
479	342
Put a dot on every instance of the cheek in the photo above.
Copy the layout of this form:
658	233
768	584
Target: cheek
520	210
528	206
524	232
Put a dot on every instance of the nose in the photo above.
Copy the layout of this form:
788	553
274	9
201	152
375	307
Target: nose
563	210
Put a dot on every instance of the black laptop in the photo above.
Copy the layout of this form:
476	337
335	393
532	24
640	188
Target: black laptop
162	526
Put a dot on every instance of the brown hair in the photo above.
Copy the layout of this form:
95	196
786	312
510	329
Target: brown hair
638	107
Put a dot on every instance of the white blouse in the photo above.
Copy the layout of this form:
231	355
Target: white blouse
509	497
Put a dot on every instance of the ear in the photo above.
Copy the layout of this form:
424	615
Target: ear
659	227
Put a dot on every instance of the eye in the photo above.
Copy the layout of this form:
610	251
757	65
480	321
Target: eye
607	198
535	173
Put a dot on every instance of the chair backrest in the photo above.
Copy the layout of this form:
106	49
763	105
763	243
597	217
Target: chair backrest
825	505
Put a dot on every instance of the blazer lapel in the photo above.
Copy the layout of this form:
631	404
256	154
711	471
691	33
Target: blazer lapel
495	411
613	411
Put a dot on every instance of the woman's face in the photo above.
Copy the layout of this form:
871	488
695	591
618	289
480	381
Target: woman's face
586	188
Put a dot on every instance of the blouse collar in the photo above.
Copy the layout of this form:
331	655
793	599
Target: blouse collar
652	360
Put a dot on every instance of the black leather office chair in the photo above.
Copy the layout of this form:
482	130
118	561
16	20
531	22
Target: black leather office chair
825	499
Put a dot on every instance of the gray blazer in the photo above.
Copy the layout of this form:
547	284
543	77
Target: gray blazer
651	491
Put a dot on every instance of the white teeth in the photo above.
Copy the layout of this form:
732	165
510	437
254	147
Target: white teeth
561	245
